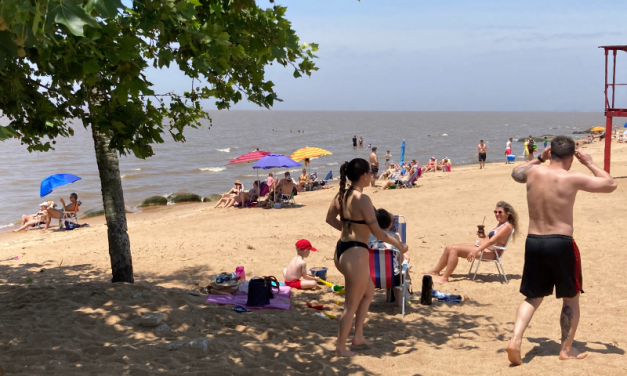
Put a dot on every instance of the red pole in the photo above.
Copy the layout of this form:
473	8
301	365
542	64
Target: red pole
608	143
614	79
607	103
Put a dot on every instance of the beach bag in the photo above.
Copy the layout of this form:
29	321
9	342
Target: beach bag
70	225
427	286
260	291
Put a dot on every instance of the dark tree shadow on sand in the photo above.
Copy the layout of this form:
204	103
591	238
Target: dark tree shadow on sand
72	320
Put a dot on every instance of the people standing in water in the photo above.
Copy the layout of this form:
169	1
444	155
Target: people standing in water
551	256
374	165
546	142
508	150
357	220
481	152
387	159
361	142
354	141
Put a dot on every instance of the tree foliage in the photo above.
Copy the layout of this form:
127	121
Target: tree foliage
86	59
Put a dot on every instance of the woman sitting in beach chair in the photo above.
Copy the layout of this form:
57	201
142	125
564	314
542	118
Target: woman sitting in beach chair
498	236
303	179
228	196
244	197
431	166
400	181
36	219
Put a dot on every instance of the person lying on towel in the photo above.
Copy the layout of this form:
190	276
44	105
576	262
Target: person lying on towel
297	268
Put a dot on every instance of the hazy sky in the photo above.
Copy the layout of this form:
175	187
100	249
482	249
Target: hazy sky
454	55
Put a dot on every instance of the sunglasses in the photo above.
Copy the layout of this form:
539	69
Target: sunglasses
498	212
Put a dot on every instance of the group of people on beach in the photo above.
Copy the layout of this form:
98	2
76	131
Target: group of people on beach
48	210
552	259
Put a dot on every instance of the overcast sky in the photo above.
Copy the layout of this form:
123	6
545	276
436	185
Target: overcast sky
483	55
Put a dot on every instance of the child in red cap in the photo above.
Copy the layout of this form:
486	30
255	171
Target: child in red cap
297	268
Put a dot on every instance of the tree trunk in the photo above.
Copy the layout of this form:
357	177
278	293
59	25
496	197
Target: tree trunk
115	212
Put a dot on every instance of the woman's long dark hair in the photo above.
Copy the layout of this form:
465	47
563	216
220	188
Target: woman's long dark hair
352	171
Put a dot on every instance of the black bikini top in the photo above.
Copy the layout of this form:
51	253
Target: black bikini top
362	222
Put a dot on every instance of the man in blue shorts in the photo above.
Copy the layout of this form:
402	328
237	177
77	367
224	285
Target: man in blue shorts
551	256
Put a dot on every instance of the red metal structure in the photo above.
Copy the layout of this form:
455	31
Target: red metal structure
610	110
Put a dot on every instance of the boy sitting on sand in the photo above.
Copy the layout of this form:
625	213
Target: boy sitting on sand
297	268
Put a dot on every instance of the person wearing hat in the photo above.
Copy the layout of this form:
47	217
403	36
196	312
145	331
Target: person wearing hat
228	196
431	166
297	268
39	217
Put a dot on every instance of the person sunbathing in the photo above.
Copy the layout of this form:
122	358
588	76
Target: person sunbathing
54	213
32	220
507	221
235	191
297	268
245	196
431	167
399	181
303	179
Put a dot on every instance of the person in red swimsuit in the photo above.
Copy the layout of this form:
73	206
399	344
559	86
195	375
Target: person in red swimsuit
297	268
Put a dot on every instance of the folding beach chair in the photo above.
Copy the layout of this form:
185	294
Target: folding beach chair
263	191
497	261
382	265
411	181
70	216
288	199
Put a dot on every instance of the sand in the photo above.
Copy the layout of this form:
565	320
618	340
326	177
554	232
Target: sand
71	320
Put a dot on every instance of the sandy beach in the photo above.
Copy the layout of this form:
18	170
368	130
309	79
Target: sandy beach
60	315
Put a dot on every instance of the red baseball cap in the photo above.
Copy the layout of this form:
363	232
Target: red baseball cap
305	245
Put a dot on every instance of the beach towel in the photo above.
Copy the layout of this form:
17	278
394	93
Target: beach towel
280	301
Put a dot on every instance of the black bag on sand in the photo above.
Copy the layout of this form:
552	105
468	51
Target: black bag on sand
260	291
427	286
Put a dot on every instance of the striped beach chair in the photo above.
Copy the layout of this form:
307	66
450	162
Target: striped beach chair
382	265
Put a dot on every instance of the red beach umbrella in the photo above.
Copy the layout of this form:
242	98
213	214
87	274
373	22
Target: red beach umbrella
250	157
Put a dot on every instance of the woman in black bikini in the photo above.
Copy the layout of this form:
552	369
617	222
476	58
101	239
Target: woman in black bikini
507	221
356	221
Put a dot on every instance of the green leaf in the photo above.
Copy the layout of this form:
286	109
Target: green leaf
91	66
297	73
71	15
195	3
105	8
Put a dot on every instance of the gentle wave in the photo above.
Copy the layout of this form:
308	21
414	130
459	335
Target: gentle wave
129	176
9	225
137	169
227	150
212	169
332	164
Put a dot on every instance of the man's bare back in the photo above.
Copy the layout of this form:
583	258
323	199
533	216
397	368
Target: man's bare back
551	192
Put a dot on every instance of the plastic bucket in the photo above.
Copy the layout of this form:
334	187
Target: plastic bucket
277	205
511	158
320	272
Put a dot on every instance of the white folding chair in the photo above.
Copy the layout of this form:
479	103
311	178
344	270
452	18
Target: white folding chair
497	261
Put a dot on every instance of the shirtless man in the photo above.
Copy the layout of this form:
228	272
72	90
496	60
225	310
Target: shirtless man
482	149
551	255
53	213
508	150
374	165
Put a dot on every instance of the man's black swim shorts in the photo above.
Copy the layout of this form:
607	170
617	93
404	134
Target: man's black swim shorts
551	260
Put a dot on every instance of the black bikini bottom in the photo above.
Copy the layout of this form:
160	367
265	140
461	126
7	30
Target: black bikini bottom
343	246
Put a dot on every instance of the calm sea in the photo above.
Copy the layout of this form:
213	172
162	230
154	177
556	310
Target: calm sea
199	165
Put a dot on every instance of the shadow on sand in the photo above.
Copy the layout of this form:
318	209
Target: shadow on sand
72	320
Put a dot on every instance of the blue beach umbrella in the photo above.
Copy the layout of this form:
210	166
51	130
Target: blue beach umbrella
55	181
402	152
275	161
625	125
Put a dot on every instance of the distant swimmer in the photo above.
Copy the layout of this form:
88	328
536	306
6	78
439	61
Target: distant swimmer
354	141
361	142
387	158
369	146
552	259
508	150
481	152
374	165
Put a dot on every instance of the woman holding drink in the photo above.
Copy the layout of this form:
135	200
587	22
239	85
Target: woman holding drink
497	236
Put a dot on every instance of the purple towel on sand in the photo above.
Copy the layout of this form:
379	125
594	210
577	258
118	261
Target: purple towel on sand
280	301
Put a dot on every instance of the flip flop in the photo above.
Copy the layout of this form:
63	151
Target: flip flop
240	309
